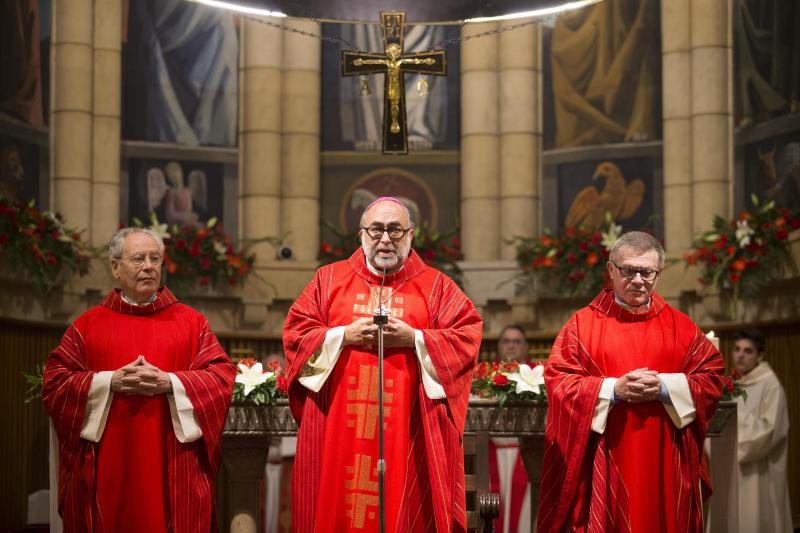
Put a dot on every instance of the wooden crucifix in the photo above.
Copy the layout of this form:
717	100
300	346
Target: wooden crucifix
394	65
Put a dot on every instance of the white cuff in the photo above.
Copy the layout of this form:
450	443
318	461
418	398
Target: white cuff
603	405
97	406
681	411
430	380
180	407
322	366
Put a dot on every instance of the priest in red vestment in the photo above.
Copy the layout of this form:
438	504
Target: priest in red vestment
138	391
631	384
431	340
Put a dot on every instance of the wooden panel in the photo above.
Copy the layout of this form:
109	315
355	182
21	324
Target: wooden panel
470	483
24	440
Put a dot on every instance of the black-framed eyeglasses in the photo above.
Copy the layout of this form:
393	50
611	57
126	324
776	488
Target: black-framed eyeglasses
395	232
630	273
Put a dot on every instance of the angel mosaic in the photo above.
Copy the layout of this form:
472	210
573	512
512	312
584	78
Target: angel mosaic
166	189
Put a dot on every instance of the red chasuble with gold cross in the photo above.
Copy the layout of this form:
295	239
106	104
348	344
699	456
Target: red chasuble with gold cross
642	473
335	484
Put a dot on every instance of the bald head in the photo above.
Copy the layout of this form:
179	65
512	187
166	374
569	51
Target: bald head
383	200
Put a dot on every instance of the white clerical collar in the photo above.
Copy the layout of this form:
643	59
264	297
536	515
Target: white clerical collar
635	310
137	304
380	272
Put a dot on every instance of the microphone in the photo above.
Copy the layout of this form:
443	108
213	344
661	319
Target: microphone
381	319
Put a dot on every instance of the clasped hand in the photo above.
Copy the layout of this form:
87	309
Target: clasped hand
140	377
640	385
364	332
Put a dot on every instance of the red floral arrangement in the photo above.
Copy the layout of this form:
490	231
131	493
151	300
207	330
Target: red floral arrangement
731	389
38	244
204	256
572	262
260	385
745	253
509	381
439	250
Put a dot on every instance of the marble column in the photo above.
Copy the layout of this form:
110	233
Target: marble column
676	60
107	91
300	184
480	167
71	111
712	110
260	144
520	133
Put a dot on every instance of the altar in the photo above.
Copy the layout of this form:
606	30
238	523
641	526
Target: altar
249	430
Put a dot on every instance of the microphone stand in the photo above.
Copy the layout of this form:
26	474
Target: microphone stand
381	320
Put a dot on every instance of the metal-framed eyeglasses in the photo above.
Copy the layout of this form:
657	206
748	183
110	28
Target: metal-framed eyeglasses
630	273
139	260
395	232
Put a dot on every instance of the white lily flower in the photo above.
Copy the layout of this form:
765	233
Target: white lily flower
158	229
528	379
220	248
251	377
743	233
611	235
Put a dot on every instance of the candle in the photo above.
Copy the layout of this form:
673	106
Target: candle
714	339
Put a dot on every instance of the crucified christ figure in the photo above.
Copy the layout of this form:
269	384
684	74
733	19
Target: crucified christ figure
393	63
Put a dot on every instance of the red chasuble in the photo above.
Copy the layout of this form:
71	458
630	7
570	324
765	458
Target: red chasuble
335	484
138	477
642	473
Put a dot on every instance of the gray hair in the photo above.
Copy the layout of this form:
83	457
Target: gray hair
640	242
394	201
115	245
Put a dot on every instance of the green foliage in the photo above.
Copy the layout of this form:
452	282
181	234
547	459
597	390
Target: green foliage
35	381
746	253
273	388
491	380
572	262
38	244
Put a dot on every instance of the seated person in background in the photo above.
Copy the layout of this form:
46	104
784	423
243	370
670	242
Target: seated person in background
512	344
763	427
507	474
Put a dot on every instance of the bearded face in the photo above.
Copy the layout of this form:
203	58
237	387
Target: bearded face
386	236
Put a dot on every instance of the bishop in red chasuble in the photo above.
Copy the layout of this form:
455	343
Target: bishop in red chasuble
431	341
138	391
632	384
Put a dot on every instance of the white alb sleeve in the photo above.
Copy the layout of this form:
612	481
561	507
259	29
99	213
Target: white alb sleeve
316	370
184	421
603	405
430	380
681	408
97	406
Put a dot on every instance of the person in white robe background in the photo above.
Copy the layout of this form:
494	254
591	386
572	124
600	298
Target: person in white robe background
763	429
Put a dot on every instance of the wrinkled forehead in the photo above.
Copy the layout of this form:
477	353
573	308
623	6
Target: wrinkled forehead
386	213
139	243
629	257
